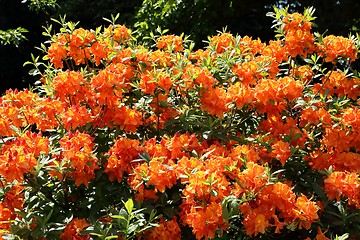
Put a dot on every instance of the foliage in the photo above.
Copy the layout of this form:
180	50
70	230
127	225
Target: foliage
15	36
12	36
95	10
242	139
188	16
41	5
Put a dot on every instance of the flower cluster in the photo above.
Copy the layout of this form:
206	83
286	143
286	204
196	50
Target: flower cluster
242	138
19	156
73	229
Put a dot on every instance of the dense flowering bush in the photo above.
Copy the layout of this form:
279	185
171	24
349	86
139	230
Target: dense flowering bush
242	139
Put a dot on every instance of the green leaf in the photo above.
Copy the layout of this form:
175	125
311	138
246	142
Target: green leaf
342	237
111	237
48	216
318	190
129	205
118	217
214	193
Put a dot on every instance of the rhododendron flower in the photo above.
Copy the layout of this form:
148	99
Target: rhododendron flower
181	144
205	220
57	53
14	198
276	205
343	184
335	47
19	156
170	42
119	33
77	152
298	38
121	155
215	101
160	176
229	140
73	230
165	230
222	42
281	151
6	215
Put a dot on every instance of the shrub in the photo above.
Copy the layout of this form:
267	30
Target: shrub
242	139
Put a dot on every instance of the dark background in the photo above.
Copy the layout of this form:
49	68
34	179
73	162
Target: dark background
197	18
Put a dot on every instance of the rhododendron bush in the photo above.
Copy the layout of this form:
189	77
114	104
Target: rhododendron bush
242	139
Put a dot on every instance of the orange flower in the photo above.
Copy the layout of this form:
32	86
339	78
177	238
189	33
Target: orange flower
160	59
19	156
336	139
122	153
351	118
222	41
314	117
148	83
136	182
304	73
247	44
14	198
161	175
119	33
157	150
276	50
198	75
110	83
185	166
155	174
295	21
190	72
271	95
99	51
299	43
77	152
276	205
253	178
305	211
164	81
343	184
298	38
17	108
335	47
181	144
198	55
244	153
69	86
164	230
79	44
283	198
255	223
215	101
336	82
281	151
127	119
280	127
76	116
170	42
6	215
205	221
204	183
49	112
247	72
57	53
73	230
241	94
